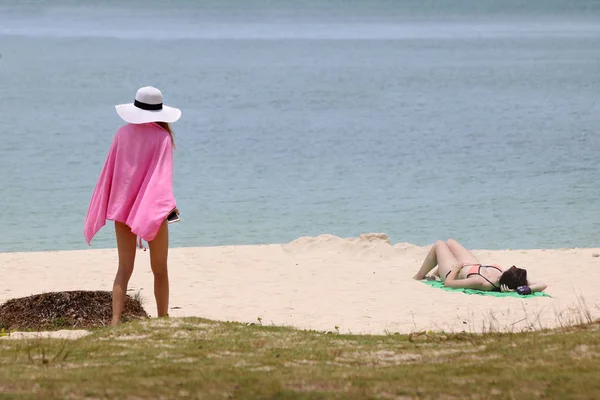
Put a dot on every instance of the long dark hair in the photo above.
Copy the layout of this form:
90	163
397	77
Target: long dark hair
514	277
167	127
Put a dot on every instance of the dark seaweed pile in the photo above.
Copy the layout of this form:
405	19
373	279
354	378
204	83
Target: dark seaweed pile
59	310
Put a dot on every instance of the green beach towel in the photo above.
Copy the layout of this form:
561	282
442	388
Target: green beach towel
440	285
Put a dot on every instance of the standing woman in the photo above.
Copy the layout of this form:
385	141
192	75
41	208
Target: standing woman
135	189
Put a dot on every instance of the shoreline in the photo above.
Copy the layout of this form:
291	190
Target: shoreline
103	249
361	285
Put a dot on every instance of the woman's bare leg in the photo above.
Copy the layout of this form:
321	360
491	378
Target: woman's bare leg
126	247
429	264
462	255
159	252
439	255
445	258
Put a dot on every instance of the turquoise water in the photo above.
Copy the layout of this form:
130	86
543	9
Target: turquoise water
477	120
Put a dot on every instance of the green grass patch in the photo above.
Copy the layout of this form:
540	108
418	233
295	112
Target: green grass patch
196	358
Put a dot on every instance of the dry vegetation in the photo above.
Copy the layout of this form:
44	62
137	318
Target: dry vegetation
73	309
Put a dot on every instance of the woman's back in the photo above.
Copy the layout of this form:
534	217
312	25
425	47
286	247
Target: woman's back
139	149
135	186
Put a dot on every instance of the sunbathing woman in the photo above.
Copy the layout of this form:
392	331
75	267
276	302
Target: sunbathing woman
458	268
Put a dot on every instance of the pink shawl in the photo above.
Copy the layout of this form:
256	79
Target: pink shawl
136	183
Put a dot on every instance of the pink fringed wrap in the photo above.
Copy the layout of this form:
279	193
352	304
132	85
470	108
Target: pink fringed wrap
136	183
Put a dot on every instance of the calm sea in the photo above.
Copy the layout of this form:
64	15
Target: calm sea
473	119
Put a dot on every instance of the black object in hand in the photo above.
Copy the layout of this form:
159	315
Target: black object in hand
173	217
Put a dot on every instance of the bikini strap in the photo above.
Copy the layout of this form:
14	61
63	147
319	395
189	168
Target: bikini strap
490	282
496	267
479	273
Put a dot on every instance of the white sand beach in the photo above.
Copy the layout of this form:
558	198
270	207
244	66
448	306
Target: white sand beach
360	285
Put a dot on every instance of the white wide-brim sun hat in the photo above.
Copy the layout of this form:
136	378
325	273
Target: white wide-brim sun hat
148	107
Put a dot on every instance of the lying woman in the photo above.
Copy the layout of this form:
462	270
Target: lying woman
458	268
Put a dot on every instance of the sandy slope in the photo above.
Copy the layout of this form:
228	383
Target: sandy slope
361	285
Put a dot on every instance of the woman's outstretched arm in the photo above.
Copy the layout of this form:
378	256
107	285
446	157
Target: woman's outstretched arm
468	283
536	286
